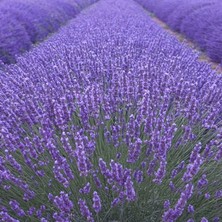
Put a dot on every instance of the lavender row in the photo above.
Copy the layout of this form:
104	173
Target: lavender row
23	23
199	20
111	119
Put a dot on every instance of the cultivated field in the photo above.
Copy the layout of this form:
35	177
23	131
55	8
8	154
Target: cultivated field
109	119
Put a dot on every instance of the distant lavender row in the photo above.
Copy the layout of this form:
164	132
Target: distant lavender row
23	23
111	119
200	20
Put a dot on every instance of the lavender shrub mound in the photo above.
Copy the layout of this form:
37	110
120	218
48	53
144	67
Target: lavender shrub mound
111	119
199	20
23	23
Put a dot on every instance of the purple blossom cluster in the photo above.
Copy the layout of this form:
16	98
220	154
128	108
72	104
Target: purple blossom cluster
110	114
175	213
199	20
23	23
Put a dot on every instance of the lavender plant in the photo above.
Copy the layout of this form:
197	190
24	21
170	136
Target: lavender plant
114	120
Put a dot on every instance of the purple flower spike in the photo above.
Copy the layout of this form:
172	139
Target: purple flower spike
103	167
172	186
31	211
86	189
138	175
218	194
193	167
166	205
115	202
176	212
16	208
207	196
5	217
96	202
134	151
216	219
85	210
129	189
160	172
63	203
203	181
81	156
190	209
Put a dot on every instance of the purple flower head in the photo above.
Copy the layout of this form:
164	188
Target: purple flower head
172	186
118	156
66	144
176	212
96	202
5	217
85	210
15	206
207	196
82	159
166	205
129	189
216	219
134	151
97	181
60	216
50	197
7	187
203	181
138	175
177	169
151	167
63	203
193	168
103	168
190	209
115	202
204	219
195	152
218	194
14	163
31	211
117	171
159	175
143	164
115	188
86	189
207	150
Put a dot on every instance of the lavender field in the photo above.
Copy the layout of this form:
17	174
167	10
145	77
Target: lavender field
109	119
199	20
26	22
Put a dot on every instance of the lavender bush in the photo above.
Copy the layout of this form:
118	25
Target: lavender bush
23	23
111	119
199	20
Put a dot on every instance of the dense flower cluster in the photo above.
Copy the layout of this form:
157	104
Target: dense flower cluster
23	23
199	20
110	119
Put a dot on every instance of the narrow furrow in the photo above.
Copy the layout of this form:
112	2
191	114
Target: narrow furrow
198	20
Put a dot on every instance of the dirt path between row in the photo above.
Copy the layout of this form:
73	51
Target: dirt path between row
202	55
